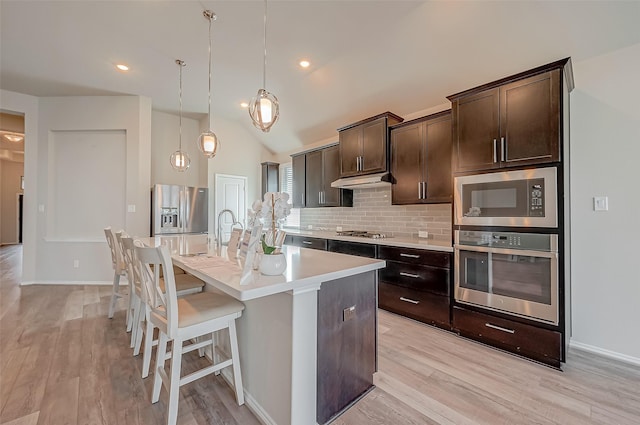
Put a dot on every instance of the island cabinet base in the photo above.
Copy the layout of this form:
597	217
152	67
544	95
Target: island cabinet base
347	343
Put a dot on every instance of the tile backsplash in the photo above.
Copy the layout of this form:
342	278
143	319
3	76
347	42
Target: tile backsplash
372	211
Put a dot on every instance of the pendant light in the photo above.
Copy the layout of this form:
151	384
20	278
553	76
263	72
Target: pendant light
208	142
180	160
264	109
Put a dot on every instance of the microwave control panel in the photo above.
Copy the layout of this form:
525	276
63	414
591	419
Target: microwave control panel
536	197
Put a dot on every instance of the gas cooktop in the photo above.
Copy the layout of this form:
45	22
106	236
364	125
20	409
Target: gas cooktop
361	234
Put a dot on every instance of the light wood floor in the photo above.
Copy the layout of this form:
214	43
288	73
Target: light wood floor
63	362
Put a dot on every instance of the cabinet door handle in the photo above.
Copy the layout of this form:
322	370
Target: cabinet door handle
419	190
402	254
500	328
503	149
415	276
307	242
408	300
495	150
319	197
302	198
424	190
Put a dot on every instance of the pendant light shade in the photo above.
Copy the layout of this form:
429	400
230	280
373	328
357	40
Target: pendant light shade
264	109
208	142
180	160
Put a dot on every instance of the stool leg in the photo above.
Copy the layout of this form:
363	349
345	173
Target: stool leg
114	294
235	356
140	316
174	382
215	357
148	346
131	309
161	356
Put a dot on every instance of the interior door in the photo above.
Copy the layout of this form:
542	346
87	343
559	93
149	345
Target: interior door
230	195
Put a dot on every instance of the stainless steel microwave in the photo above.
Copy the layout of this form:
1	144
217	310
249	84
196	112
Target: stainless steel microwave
522	198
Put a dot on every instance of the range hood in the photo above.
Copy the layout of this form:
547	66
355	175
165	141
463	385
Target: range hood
362	182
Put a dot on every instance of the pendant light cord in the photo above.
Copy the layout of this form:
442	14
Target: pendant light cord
210	19
264	64
180	64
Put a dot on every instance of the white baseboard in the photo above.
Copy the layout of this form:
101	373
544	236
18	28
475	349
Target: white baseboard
605	353
71	282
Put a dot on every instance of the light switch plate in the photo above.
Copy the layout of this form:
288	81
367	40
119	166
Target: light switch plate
601	203
131	208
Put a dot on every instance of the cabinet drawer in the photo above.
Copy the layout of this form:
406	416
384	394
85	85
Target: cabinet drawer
418	278
422	306
530	341
352	248
306	242
415	256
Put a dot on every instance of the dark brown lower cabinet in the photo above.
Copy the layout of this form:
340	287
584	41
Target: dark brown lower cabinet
416	284
418	305
533	342
306	242
352	248
347	343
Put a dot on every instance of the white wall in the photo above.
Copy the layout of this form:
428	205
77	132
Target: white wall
240	154
127	115
605	147
165	137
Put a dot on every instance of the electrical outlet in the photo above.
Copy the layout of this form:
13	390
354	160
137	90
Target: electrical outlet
338	228
76	264
601	203
423	234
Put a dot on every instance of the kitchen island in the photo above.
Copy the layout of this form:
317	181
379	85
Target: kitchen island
307	338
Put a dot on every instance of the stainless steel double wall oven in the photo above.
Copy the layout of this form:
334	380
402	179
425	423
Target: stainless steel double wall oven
506	242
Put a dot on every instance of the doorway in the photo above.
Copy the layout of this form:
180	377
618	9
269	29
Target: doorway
230	195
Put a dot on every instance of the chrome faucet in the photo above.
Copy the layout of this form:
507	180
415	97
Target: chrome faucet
234	222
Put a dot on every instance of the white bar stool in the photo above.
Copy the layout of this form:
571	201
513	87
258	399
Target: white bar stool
119	269
184	319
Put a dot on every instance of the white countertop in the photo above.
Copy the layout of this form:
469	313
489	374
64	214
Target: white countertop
418	243
306	268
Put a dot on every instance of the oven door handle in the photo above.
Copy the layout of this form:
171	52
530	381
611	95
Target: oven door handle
507	251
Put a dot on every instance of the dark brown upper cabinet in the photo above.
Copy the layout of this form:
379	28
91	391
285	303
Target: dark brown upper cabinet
313	173
516	121
270	177
299	176
363	146
421	160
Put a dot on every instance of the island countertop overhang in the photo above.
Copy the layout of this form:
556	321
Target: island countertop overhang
306	269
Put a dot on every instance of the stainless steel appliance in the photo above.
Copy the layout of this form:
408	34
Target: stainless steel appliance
522	198
179	209
361	234
510	272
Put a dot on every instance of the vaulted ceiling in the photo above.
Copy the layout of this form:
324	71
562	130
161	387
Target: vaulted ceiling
366	57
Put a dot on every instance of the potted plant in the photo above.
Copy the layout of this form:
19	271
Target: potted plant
272	211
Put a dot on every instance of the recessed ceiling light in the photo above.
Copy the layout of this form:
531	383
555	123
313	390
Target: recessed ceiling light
244	104
304	63
122	67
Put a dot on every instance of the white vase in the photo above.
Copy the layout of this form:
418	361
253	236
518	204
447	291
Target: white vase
273	265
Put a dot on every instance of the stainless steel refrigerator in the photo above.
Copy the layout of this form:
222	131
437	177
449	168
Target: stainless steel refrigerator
179	209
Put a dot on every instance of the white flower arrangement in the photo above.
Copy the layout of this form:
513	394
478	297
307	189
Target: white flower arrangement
274	208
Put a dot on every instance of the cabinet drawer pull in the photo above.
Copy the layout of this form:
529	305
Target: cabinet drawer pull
307	243
500	328
495	150
415	276
408	300
402	254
